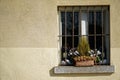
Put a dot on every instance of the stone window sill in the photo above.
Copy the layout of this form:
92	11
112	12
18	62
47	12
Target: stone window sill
93	69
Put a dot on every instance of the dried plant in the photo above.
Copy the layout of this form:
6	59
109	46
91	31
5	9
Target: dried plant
83	46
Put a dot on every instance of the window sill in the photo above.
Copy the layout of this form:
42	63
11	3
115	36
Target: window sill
92	69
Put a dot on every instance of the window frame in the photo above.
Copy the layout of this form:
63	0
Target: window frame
61	8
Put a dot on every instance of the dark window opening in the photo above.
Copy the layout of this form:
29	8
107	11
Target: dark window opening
92	22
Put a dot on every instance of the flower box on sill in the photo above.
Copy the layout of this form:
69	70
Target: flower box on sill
84	63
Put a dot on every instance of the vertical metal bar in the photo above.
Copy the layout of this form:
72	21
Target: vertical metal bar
73	27
88	22
95	32
108	54
79	26
95	28
102	36
65	30
79	22
80	30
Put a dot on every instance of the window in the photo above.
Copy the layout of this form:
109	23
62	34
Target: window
91	22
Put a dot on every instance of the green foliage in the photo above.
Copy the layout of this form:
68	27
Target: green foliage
83	46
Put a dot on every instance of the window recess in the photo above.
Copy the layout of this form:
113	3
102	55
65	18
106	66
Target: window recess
89	22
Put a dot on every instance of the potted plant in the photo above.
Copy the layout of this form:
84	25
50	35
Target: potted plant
83	48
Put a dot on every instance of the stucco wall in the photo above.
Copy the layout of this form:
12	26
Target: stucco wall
29	39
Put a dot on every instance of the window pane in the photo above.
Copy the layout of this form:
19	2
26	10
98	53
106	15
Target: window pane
62	23
91	22
99	43
76	21
98	22
99	50
92	42
84	21
63	42
76	41
106	22
69	42
69	22
68	45
107	49
63	48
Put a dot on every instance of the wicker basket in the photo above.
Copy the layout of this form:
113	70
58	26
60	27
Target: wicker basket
85	63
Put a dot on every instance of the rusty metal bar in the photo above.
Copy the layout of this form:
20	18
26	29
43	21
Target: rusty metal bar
86	35
109	35
88	22
95	33
79	25
102	36
73	27
95	29
65	30
80	21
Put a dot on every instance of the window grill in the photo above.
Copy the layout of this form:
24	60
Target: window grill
90	21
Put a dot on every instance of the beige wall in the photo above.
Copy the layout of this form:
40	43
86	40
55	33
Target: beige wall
29	39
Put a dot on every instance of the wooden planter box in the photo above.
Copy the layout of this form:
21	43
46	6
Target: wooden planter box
85	63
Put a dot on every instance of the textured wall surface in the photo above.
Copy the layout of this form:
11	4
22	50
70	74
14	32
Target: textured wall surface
29	39
28	23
